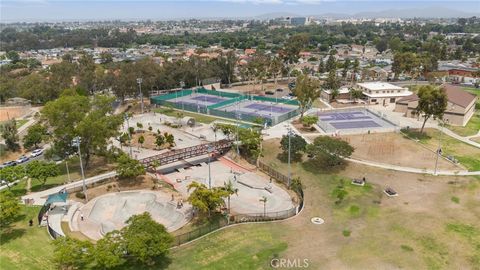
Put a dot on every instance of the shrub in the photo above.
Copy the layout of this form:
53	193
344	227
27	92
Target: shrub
80	195
455	199
346	233
406	248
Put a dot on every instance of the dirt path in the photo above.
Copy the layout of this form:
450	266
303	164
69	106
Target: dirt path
29	185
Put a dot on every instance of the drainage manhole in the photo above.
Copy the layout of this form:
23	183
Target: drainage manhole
317	220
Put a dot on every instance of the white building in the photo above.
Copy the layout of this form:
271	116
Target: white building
382	92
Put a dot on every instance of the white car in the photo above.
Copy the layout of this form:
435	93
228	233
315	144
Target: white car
22	159
36	152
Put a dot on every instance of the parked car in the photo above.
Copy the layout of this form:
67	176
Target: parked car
22	159
36	153
9	163
279	90
269	92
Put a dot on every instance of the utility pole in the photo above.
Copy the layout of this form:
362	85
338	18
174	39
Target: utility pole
129	135
139	81
439	146
81	169
209	151
289	147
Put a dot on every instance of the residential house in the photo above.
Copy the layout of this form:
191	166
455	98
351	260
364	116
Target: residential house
460	107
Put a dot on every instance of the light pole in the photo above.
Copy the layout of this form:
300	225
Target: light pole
68	172
209	151
77	142
290	131
129	135
182	84
439	145
139	82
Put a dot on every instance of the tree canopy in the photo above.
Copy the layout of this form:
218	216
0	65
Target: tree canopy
432	103
326	151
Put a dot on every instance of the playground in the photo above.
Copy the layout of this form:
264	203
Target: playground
249	108
109	212
359	120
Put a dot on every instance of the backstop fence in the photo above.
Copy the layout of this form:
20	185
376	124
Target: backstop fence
244	218
232	98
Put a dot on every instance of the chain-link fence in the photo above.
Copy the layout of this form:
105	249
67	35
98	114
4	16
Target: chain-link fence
243	218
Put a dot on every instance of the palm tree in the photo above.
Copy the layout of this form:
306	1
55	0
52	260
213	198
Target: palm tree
154	165
264	200
230	189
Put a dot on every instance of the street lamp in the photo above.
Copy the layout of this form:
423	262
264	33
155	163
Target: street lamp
77	141
139	82
209	151
290	131
129	135
182	85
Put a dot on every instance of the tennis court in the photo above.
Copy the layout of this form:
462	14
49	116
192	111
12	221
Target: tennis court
353	121
256	108
270	111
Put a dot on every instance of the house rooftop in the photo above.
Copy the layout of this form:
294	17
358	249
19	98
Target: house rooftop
458	96
380	86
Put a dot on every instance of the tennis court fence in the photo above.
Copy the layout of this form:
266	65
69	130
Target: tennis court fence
214	110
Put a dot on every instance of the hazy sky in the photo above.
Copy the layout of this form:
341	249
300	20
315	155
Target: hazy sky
48	10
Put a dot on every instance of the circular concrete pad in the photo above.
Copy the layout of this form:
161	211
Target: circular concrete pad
110	211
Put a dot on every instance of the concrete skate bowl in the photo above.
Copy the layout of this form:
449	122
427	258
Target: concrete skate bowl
110	212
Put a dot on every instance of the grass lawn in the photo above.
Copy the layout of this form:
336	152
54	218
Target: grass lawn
25	247
366	230
472	127
249	246
175	113
467	155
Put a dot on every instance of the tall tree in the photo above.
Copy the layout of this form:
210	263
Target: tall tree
9	133
147	241
346	66
70	253
204	199
297	145
332	82
41	170
331	63
329	151
432	102
226	64
307	90
230	189
129	167
35	135
9	208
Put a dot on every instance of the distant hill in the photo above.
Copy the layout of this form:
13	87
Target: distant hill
427	12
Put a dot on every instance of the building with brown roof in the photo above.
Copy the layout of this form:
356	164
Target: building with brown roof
460	105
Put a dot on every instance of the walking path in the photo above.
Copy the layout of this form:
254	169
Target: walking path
411	170
41	196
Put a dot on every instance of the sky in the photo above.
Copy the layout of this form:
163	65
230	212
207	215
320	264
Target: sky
71	10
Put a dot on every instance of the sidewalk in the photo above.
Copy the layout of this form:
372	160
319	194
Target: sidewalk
41	196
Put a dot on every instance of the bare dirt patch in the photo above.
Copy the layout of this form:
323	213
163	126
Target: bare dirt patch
393	148
16	112
149	141
257	88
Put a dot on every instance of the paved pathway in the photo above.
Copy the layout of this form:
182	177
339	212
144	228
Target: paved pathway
411	170
40	197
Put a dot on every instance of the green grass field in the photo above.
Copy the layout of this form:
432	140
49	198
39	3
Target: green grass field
176	113
423	228
467	155
24	247
364	231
